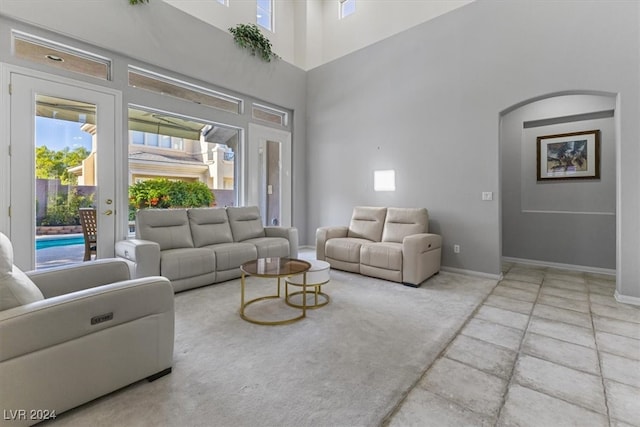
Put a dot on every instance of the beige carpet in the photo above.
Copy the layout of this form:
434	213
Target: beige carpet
348	363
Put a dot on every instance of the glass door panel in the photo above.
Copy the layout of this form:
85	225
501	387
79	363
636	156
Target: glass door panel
65	176
60	164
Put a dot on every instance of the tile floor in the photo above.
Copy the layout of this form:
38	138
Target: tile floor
548	347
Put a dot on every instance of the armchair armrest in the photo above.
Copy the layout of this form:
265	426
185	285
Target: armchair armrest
289	233
42	324
143	256
64	280
325	233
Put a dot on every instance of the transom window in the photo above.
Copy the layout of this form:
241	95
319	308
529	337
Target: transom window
224	2
347	7
165	85
53	54
264	14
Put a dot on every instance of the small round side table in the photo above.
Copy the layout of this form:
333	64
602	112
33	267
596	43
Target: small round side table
317	276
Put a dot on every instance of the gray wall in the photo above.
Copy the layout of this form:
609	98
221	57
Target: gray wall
161	37
568	222
427	103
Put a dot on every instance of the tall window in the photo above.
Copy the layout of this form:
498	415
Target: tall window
347	7
224	2
264	14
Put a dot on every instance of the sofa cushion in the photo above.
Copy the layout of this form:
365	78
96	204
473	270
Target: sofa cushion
245	223
403	222
15	287
386	255
270	247
186	262
209	226
233	255
169	228
367	223
345	249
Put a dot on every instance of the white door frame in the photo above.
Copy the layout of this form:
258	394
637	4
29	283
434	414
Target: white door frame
256	168
19	143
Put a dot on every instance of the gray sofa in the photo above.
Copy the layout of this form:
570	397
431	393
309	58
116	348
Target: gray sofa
388	243
71	334
200	246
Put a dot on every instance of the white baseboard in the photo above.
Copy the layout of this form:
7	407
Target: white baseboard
472	273
625	299
572	267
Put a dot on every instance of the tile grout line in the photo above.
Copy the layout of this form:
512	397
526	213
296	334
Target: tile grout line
595	340
557	397
511	380
393	411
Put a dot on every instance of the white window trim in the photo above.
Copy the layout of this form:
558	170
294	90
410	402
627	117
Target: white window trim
272	20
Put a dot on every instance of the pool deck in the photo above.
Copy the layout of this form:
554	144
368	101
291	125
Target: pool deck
58	256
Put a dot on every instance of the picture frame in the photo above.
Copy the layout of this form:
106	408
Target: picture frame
568	156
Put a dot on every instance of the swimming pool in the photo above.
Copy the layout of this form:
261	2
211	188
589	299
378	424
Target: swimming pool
43	242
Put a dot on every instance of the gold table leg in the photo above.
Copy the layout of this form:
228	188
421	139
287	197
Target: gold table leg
317	291
244	304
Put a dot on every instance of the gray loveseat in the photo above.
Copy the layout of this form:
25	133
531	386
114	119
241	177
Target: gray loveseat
389	243
200	246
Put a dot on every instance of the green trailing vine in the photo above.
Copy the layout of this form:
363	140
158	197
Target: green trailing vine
250	37
138	1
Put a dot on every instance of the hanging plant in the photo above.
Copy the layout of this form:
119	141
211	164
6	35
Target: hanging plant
138	1
250	37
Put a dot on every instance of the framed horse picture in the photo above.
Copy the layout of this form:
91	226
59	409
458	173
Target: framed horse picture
567	156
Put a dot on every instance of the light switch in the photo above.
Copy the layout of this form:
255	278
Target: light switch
269	189
487	195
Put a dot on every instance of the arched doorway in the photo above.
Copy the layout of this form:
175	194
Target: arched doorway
564	223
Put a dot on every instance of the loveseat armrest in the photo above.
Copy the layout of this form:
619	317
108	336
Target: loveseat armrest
63	280
421	254
323	234
289	233
42	324
142	256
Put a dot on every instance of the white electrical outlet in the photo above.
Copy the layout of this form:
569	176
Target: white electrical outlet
456	249
487	195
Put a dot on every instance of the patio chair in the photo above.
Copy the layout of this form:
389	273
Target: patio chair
90	231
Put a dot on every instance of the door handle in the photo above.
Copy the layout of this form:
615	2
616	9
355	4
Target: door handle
108	212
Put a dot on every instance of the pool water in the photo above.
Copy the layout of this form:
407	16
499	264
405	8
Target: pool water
59	241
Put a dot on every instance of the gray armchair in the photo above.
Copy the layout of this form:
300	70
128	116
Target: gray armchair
72	334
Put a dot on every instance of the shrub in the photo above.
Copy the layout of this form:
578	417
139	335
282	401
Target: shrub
64	209
162	193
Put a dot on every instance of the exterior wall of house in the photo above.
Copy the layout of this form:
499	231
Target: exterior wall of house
427	102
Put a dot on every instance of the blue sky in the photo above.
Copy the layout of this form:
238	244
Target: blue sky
57	134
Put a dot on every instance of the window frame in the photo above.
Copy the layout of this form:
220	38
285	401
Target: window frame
342	13
271	27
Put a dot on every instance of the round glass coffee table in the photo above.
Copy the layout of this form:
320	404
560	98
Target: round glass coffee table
277	268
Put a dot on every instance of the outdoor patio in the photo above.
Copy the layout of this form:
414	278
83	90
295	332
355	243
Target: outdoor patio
59	255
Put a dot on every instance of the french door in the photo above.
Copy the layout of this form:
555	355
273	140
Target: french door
269	174
73	126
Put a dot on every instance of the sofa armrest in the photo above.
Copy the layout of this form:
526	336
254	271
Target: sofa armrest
42	324
417	265
325	233
64	280
289	233
142	256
